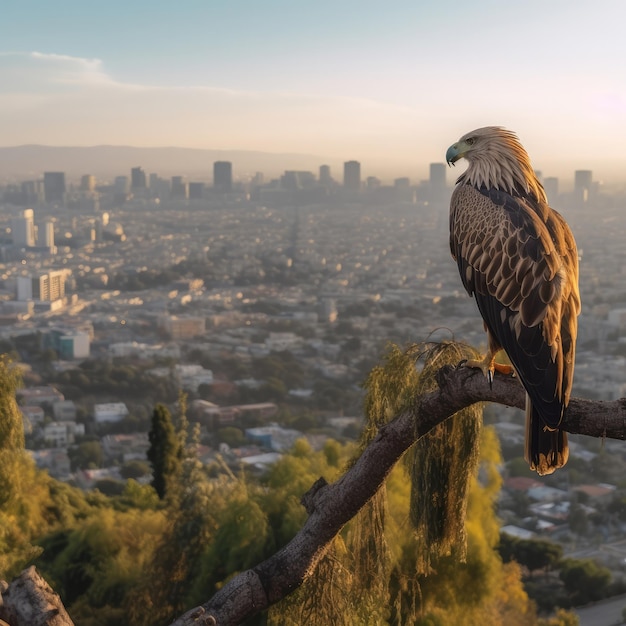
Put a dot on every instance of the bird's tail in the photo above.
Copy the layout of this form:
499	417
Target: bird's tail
546	450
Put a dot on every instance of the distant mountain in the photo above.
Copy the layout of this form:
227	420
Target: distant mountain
30	161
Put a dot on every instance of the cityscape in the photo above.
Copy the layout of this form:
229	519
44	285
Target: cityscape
225	265
267	301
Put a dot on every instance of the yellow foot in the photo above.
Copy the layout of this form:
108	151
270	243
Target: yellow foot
488	367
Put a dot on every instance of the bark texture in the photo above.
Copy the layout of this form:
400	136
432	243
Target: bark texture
30	601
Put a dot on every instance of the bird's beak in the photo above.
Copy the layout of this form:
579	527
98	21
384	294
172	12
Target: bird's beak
453	154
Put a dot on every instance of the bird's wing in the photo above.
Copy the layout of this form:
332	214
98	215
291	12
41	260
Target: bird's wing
518	259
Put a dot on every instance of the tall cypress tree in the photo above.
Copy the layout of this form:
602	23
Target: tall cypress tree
11	432
165	452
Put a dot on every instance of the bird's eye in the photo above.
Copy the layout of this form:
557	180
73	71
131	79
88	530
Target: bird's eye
470	141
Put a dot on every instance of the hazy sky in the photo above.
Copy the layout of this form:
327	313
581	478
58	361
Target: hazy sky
391	83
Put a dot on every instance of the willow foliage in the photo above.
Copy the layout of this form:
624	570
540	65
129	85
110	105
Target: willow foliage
442	464
352	582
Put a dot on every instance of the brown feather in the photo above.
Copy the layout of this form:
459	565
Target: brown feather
518	257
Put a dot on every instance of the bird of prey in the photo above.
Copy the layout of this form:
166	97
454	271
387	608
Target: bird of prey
518	258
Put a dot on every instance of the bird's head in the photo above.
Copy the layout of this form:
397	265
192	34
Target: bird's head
496	159
482	142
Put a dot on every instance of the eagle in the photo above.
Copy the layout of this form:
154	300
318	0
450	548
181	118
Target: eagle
517	257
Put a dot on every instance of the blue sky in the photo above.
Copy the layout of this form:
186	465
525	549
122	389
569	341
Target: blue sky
392	83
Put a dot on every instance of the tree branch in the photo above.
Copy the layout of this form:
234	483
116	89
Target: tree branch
331	506
30	601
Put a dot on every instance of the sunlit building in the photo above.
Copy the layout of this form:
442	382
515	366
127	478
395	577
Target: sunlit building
23	229
46	236
45	287
69	343
182	327
88	182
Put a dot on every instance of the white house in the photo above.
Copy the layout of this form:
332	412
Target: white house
109	412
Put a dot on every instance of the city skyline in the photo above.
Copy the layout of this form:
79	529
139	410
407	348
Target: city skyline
390	87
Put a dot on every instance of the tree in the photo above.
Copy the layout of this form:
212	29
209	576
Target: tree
330	506
578	520
533	554
584	580
134	469
87	455
165	451
232	436
562	618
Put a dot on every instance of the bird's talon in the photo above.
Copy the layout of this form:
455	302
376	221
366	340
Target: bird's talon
490	378
461	363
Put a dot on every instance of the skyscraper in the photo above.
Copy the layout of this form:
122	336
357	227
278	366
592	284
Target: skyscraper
325	177
583	182
46	236
88	182
178	187
32	192
438	175
196	191
437	182
352	175
551	186
121	185
47	287
23	229
137	178
54	186
223	176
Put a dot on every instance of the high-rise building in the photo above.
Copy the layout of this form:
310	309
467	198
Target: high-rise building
54	186
352	175
257	180
438	175
46	236
137	178
46	287
293	180
583	182
178	188
121	185
223	176
325	177
372	182
196	191
33	192
88	182
551	186
437	182
23	229
583	179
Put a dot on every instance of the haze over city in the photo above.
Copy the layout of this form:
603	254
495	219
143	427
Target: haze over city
390	86
225	239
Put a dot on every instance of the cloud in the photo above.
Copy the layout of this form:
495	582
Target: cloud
64	100
58	99
36	72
